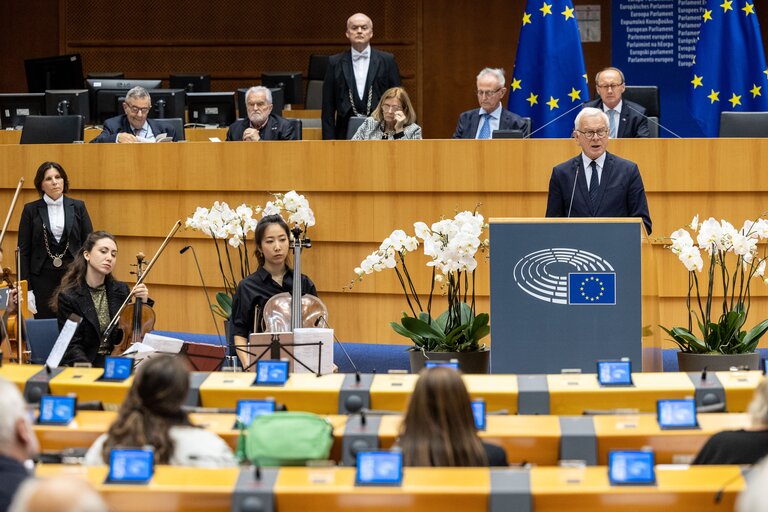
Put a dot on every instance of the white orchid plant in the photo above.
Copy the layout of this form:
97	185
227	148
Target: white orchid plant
451	245
230	228
720	243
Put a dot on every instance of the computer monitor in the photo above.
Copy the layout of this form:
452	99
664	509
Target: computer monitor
106	74
290	81
68	102
277	102
167	103
191	82
211	108
59	72
14	108
122	83
108	103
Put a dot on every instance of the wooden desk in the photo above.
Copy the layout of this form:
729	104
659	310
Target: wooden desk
84	383
19	374
191	134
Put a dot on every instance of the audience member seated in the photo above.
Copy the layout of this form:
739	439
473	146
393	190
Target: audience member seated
18	443
57	494
439	428
626	119
261	124
152	415
394	118
481	123
134	125
745	446
752	497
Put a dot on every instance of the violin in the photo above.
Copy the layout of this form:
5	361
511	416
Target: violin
136	319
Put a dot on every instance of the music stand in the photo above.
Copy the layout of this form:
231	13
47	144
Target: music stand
272	342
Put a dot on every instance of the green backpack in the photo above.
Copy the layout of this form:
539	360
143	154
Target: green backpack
287	439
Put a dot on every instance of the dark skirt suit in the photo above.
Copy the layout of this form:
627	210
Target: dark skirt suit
36	266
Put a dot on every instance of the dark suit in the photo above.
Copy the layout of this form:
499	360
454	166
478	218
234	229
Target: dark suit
621	192
470	120
632	120
277	128
340	80
36	265
120	124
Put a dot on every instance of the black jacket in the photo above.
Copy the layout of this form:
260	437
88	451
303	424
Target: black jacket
277	128
470	120
632	119
120	124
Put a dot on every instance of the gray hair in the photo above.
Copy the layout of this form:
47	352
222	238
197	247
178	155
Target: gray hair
758	407
57	494
589	112
12	407
137	92
752	498
498	74
597	76
259	88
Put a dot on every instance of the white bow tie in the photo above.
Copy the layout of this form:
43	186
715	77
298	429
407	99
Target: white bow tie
359	56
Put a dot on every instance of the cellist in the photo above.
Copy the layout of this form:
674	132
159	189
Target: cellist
89	290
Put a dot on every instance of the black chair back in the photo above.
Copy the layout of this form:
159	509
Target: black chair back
296	126
738	124
646	96
354	124
177	124
52	130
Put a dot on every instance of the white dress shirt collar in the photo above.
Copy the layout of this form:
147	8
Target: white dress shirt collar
50	202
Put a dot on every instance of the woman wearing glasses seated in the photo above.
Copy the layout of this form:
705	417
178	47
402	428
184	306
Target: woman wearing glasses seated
394	118
439	427
134	124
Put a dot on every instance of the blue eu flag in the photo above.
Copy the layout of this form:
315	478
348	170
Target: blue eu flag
729	72
549	77
596	288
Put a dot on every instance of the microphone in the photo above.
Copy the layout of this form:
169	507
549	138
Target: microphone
205	291
744	472
573	192
354	366
650	120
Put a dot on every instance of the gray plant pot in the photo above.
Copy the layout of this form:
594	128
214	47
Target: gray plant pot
716	362
469	362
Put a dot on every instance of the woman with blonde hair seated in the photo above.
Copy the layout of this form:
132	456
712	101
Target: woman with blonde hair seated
394	118
152	415
439	428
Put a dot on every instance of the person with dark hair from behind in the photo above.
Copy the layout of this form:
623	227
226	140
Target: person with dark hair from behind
89	290
743	446
272	277
261	123
134	125
394	118
439	428
481	123
626	119
51	232
18	443
152	415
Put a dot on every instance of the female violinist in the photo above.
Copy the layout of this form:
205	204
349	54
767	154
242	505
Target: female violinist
272	277
51	231
89	290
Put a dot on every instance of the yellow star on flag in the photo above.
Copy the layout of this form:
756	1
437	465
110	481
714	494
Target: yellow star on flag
553	103
714	96
726	5
546	9
735	100
526	19
696	81
515	84
748	9
574	94
707	15
568	13
755	90
533	99
766	72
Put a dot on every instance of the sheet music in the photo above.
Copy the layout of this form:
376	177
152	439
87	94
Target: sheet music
308	354
163	343
62	342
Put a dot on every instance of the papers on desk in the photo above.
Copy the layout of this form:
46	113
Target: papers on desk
62	342
163	137
153	344
308	354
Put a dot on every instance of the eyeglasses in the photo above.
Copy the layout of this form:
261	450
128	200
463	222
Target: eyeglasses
136	110
591	134
259	104
391	108
609	86
484	94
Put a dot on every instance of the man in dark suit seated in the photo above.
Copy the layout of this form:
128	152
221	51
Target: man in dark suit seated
261	124
596	183
355	79
481	123
134	125
626	119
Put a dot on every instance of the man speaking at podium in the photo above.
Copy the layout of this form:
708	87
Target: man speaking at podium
596	183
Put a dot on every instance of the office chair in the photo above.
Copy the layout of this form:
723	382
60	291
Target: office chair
176	123
354	124
742	124
41	336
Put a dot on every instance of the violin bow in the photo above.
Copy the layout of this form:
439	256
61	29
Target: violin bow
10	211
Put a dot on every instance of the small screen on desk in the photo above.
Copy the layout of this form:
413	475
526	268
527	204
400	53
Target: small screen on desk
130	466
614	373
676	413
271	372
247	410
631	468
57	410
117	368
478	411
379	468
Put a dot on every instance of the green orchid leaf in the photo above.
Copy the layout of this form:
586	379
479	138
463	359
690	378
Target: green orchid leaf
421	328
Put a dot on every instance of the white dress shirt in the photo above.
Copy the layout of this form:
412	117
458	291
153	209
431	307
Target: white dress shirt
588	169
617	119
55	216
360	63
145	132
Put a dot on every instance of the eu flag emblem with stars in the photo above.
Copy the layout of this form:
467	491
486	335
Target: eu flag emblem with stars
549	77
729	73
596	288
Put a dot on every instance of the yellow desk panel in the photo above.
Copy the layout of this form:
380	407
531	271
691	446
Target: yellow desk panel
80	433
19	374
423	490
498	391
573	394
85	384
739	388
302	392
171	488
391	392
587	489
